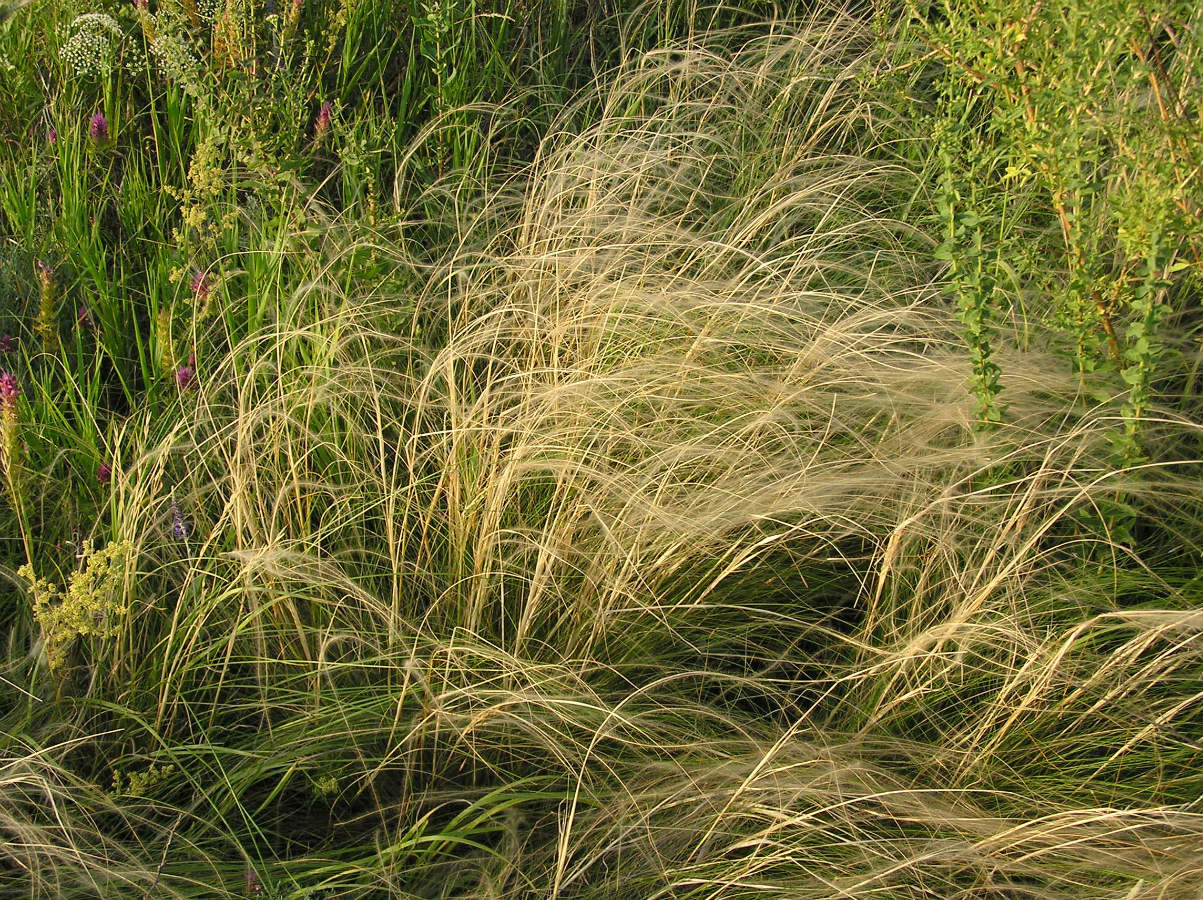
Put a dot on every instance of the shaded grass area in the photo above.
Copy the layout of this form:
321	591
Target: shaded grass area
608	517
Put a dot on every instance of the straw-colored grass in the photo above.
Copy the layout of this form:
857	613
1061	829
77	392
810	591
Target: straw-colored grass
654	555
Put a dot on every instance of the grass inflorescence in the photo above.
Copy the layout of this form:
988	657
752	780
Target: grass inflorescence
550	450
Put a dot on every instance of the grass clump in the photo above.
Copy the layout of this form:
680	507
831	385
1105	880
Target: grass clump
608	522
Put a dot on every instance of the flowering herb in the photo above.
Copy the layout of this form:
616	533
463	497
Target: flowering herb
185	377
98	129
254	887
104	473
180	527
163	340
93	603
45	274
321	125
9	392
291	19
92	48
45	323
200	285
10	429
7	343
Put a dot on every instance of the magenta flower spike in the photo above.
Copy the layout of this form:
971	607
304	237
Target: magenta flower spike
200	285
184	377
9	392
98	129
10	440
104	473
321	125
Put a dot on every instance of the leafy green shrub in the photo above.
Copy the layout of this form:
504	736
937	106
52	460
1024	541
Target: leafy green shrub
1070	146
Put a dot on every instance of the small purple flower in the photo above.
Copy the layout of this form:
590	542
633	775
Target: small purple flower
104	473
254	887
51	135
321	125
98	129
7	343
200	285
180	527
83	316
184	377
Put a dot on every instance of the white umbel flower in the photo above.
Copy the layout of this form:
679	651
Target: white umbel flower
92	45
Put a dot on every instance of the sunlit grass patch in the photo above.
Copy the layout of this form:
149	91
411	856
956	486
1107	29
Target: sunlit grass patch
636	538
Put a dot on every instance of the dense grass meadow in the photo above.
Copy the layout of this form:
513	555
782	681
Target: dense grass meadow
521	449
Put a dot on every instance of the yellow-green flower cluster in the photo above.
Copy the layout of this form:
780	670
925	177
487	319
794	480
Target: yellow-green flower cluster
207	181
139	784
325	786
46	323
164	341
91	606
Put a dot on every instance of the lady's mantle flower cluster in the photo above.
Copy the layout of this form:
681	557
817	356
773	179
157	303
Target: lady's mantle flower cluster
139	784
91	606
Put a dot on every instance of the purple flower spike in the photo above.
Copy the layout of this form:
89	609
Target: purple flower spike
98	129
180	527
321	125
104	473
7	343
200	285
51	135
184	377
9	391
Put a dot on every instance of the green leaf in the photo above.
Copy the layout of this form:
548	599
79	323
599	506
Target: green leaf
1133	375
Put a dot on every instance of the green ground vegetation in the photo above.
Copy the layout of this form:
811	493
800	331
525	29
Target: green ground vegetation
568	449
